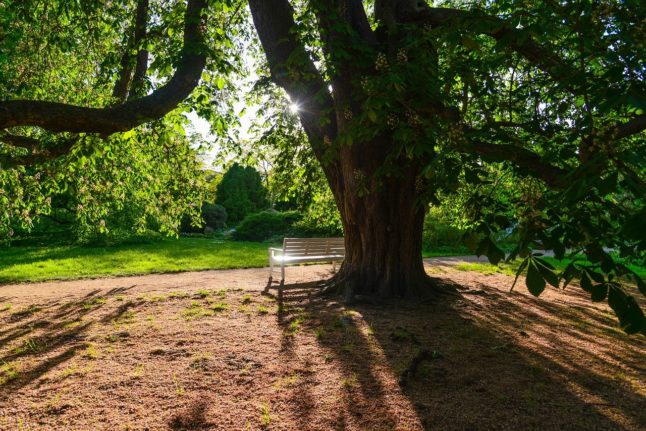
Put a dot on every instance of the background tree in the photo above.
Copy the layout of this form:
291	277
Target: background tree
241	192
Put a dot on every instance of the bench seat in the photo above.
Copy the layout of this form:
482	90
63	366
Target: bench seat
305	250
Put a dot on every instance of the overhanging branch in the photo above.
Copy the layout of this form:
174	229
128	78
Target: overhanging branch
537	54
60	117
19	141
632	127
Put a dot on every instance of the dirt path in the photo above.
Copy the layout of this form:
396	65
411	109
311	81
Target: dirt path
249	279
208	351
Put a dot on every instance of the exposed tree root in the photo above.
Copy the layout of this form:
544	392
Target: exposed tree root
426	290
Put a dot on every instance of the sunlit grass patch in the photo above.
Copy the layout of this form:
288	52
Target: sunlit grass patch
216	306
154	298
295	325
125	318
199	360
75	370
486	268
262	309
9	371
203	293
265	415
31	346
286	381
87	305
168	255
196	310
91	352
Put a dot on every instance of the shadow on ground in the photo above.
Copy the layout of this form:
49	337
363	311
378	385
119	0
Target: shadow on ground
480	359
483	359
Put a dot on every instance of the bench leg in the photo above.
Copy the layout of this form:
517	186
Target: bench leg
282	273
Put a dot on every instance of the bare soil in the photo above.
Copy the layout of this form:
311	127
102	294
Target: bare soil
210	351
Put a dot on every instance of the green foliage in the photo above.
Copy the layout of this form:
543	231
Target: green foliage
438	232
241	192
266	225
214	218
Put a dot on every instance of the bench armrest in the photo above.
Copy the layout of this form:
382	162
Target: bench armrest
273	250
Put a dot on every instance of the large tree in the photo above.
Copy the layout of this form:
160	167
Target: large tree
400	100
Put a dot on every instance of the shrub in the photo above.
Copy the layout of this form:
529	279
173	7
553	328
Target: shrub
438	233
213	215
309	228
266	225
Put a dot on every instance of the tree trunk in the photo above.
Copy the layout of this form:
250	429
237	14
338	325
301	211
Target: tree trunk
383	219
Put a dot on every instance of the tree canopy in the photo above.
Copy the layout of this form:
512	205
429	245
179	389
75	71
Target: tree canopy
402	104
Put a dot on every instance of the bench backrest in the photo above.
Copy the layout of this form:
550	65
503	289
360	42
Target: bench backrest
314	246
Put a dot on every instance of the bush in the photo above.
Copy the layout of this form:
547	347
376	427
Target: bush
213	215
117	236
308	228
440	234
266	225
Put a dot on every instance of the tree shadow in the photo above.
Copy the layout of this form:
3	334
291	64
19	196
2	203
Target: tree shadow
51	335
495	361
192	417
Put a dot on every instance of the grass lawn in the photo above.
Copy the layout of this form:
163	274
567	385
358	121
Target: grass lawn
169	255
510	268
23	264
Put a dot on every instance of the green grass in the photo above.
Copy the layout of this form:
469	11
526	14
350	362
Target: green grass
560	264
20	264
445	251
510	269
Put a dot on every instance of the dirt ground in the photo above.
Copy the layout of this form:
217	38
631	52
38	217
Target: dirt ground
209	351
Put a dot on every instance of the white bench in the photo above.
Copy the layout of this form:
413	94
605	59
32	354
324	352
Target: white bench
305	250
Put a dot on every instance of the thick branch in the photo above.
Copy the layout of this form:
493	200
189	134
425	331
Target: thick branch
632	127
141	66
122	84
293	69
39	154
59	117
19	141
538	55
521	157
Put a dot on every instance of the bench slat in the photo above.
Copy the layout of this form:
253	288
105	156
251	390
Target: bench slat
302	250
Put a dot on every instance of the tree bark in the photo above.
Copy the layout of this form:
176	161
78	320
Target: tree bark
382	215
61	117
383	234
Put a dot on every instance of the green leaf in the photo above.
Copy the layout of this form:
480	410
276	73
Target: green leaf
495	254
548	274
520	269
631	318
599	292
534	281
220	82
586	282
